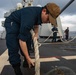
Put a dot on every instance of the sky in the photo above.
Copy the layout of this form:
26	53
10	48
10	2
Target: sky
68	16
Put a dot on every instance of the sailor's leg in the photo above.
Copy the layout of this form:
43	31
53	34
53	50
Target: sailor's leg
66	37
55	36
17	69
13	52
13	48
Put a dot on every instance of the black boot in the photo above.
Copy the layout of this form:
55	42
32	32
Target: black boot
17	69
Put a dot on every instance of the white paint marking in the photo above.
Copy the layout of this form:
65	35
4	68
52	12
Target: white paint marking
69	57
47	59
4	60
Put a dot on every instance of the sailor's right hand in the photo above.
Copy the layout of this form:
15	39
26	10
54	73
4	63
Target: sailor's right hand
30	62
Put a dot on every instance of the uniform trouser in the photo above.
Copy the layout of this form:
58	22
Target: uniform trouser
66	37
12	42
12	30
54	37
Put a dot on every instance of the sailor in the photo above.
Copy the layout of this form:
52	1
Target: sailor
18	25
66	33
55	31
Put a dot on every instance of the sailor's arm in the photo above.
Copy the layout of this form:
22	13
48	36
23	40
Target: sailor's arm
24	49
24	35
36	28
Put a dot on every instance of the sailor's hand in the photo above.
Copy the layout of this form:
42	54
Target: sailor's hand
55	31
30	62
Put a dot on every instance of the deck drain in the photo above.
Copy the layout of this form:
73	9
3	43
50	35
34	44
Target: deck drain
61	71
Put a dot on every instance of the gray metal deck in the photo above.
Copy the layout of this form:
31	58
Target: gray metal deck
57	54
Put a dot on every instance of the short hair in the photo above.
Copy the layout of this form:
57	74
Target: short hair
47	12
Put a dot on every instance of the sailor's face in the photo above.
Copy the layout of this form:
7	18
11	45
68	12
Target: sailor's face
45	17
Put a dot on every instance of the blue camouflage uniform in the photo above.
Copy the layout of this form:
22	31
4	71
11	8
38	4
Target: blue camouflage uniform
18	26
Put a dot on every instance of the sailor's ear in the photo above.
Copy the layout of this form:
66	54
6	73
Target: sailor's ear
43	10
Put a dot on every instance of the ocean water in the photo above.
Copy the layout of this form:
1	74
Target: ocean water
72	33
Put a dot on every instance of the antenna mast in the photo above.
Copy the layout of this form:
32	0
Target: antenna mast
27	3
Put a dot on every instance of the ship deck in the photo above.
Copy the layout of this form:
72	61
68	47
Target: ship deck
51	55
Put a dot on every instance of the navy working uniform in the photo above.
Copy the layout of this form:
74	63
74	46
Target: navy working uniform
55	30
66	33
18	26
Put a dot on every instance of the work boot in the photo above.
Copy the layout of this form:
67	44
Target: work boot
17	69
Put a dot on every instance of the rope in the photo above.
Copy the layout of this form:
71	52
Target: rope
60	39
37	62
66	40
48	37
37	45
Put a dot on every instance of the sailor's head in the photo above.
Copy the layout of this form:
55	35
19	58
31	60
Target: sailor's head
49	13
67	27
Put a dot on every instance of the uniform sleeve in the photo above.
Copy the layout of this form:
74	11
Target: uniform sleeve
27	23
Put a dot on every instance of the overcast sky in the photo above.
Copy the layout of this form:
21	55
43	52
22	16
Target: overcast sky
68	17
